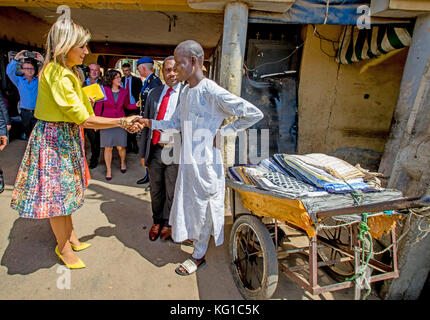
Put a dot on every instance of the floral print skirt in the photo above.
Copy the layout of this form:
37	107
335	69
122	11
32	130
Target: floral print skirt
52	176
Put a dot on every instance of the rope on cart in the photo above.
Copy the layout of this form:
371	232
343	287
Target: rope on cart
363	232
422	215
418	213
322	226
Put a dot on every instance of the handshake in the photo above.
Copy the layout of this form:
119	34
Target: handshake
134	124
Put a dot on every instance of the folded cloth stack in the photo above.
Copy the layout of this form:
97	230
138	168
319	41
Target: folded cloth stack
273	181
334	166
271	165
315	172
347	179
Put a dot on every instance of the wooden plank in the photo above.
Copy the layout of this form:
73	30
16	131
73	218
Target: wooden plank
136	50
399	8
139	5
376	207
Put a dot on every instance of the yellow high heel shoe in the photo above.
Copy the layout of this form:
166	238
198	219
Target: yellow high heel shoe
83	246
77	265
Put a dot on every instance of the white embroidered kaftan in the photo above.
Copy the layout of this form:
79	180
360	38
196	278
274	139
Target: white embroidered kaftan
200	185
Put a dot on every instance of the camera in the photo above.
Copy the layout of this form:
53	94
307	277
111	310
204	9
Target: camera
29	54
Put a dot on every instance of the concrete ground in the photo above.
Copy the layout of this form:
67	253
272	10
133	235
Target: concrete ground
122	262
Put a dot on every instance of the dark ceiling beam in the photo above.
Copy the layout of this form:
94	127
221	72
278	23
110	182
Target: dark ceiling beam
136	50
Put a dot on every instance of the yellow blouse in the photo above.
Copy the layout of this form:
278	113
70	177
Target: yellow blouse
60	97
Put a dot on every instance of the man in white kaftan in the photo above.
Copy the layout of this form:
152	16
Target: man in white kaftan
198	205
200	185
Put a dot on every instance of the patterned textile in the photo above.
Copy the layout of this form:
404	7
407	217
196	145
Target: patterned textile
51	179
272	165
289	183
334	166
303	174
319	177
272	181
235	174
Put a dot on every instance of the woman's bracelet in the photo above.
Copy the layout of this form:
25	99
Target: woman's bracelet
123	123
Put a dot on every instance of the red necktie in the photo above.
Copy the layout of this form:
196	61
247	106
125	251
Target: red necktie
161	112
127	85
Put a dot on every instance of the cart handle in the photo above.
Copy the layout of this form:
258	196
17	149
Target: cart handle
398	204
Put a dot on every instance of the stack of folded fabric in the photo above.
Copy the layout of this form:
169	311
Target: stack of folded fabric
271	165
303	175
272	181
314	169
237	174
334	166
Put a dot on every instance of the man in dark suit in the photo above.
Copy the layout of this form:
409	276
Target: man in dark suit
145	66
93	135
161	103
133	85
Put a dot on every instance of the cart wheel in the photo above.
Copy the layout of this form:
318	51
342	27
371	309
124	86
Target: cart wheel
342	270
254	262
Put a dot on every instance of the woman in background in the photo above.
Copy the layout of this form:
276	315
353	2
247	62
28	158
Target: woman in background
113	107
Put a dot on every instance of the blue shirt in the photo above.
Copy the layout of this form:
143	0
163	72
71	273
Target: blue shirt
27	91
88	82
132	100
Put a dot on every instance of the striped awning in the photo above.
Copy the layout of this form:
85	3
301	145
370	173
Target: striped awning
357	45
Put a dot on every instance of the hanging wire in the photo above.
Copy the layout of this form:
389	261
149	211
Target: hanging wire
333	43
315	33
278	61
326	11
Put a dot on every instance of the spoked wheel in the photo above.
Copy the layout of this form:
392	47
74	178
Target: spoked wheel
254	262
341	270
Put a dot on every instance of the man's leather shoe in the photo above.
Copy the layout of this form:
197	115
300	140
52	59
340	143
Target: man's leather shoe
143	180
154	232
166	233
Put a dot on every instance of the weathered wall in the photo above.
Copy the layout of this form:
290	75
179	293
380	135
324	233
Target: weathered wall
342	112
21	27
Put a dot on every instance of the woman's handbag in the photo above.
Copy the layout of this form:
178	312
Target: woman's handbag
95	91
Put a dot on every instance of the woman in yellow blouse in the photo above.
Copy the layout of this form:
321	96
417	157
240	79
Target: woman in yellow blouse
52	176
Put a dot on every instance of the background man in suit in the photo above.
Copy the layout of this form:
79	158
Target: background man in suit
145	66
160	105
93	135
133	85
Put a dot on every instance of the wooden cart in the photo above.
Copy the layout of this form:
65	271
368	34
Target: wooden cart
257	251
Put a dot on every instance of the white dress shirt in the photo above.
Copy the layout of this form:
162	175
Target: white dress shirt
166	137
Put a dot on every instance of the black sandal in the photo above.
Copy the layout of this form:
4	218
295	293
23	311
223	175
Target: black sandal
190	266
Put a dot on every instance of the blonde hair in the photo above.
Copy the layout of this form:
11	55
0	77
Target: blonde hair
62	37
